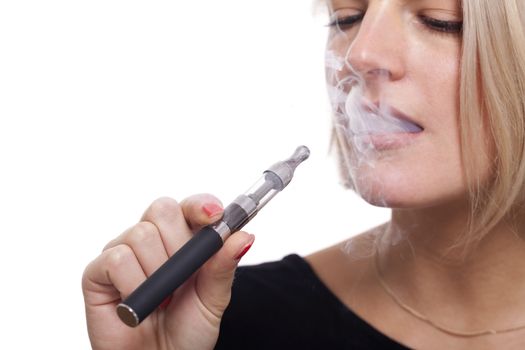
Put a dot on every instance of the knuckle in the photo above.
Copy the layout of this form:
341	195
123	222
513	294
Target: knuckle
165	207
110	244
118	257
86	276
143	233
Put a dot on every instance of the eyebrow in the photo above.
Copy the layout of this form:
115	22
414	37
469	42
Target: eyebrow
342	2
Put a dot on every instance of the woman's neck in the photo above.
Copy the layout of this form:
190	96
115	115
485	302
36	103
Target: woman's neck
483	289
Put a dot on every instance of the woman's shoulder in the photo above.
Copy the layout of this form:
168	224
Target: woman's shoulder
346	266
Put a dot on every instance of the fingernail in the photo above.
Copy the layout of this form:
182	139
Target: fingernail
243	251
212	209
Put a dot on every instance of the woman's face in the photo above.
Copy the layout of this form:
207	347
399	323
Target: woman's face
393	77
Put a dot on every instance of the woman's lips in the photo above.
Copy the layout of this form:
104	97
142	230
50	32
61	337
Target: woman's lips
410	124
381	118
382	142
383	127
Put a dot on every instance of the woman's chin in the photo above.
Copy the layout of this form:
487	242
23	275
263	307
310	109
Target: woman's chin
407	197
383	192
406	185
396	193
381	200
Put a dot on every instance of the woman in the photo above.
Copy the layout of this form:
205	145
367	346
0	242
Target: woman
428	99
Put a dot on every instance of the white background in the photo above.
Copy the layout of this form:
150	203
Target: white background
107	105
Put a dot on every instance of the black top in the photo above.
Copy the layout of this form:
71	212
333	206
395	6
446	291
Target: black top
284	305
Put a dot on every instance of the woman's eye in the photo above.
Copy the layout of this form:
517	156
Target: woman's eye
452	27
347	22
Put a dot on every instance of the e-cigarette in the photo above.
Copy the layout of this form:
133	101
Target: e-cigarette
205	243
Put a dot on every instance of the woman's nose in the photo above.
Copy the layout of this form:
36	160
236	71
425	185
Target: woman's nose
378	49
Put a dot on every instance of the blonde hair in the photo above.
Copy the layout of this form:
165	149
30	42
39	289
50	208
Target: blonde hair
492	97
492	93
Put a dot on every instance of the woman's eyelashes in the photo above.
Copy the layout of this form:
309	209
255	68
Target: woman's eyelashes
437	25
441	26
346	22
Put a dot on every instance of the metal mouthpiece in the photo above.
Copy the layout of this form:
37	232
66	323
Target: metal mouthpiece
285	169
300	155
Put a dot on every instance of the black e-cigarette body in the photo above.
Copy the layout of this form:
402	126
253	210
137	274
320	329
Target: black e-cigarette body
205	243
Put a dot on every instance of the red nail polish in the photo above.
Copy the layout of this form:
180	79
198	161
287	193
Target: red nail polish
165	303
243	251
212	209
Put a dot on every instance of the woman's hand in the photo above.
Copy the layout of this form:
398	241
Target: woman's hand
190	320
